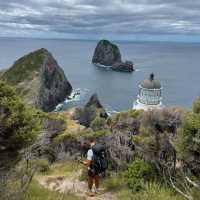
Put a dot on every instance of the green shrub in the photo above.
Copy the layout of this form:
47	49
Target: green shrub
19	123
96	134
187	143
196	106
138	173
98	123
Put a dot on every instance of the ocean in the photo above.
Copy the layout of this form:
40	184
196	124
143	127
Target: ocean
176	65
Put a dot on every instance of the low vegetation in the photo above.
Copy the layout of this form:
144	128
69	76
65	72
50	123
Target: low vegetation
23	68
37	192
161	147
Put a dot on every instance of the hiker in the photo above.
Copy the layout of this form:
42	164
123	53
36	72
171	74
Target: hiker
96	163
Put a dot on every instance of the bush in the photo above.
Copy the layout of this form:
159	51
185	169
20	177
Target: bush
138	173
196	106
124	115
95	134
19	124
98	123
187	143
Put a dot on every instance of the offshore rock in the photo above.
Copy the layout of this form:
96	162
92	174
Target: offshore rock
106	53
126	66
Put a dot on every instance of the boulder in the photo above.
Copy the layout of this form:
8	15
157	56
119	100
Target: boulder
106	53
90	111
39	80
126	66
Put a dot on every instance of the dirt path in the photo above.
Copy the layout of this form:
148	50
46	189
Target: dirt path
71	185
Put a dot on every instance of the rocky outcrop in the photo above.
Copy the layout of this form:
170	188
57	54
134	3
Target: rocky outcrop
126	66
39	80
106	53
90	111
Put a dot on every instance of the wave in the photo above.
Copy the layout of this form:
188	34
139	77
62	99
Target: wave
78	97
103	66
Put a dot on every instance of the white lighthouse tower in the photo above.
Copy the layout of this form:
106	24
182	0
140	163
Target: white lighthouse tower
150	95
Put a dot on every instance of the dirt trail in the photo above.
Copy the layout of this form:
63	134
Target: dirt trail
71	185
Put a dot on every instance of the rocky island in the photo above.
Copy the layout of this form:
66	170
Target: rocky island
108	54
39	80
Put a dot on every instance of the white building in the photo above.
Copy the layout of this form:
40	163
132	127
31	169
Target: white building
150	94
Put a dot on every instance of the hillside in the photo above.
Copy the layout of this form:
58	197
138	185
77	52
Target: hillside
39	80
152	154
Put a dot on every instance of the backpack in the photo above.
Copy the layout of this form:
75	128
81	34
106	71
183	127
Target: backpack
99	160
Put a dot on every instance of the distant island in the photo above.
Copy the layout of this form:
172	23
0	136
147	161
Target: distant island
108	54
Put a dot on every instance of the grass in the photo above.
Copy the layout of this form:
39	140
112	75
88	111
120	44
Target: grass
37	192
152	191
116	184
65	168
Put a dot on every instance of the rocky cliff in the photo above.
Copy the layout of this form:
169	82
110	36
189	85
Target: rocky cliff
106	53
39	80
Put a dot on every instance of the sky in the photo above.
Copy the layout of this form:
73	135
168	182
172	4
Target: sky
160	20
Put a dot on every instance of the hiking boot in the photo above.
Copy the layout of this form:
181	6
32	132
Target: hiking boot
90	193
96	190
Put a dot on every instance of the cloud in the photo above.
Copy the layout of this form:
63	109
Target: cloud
92	17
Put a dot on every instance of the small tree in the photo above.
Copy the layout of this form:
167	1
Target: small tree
19	124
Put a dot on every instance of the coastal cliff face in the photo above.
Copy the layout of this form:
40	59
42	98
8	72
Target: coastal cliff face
39	80
106	53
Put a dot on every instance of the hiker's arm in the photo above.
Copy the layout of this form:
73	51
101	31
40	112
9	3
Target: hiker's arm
86	162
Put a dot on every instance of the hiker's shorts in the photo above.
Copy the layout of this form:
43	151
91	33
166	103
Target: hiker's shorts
92	173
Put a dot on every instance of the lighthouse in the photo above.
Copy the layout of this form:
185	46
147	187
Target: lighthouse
150	94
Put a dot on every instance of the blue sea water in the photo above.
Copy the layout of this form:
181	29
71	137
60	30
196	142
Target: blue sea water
177	65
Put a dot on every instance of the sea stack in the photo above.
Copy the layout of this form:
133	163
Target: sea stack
108	54
39	80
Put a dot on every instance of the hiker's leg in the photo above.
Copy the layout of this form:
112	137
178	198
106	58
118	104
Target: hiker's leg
96	181
90	182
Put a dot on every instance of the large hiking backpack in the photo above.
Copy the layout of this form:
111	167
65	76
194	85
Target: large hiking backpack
99	160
